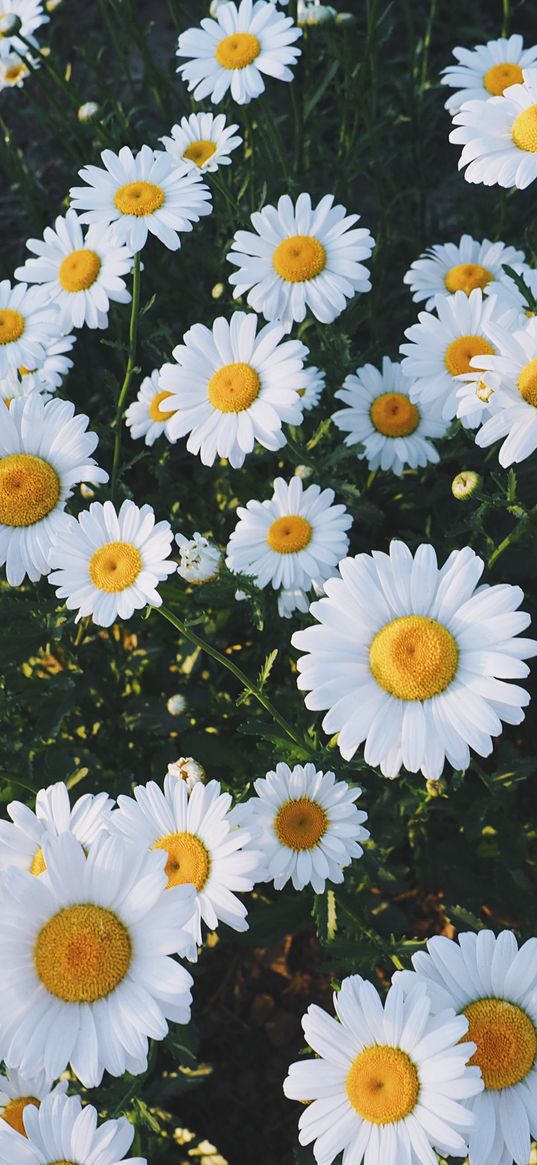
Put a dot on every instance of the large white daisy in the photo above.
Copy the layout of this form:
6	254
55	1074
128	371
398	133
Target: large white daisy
412	659
499	136
17	1092
86	972
107	564
31	15
493	984
391	1083
204	140
301	256
379	415
231	388
21	840
28	322
62	1130
148	415
487	70
139	194
44	451
511	375
233	51
463	266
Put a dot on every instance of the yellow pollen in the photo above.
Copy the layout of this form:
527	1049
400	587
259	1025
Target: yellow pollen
289	534
459	353
300	824
414	658
79	270
38	865
13	73
139	198
200	152
155	411
467	276
29	489
393	415
299	258
11	325
115	566
188	859
500	77
7	401
527	383
524	130
23	371
238	50
506	1041
13	1111
383	1084
234	388
483	391
82	953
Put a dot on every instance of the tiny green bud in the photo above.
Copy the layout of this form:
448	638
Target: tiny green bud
465	484
89	111
436	788
217	291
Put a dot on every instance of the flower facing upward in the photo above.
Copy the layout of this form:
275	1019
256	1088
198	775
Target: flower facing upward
203	140
17	1092
21	843
412	659
499	136
233	51
463	266
62	1130
199	561
511	377
487	70
27	324
149	414
31	15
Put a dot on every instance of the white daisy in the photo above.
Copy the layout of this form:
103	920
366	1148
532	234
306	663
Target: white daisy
17	1092
290	599
204	140
27	324
47	377
463	266
13	71
379	415
139	194
86	972
493	984
14	386
487	70
31	15
234	50
21	843
107	564
61	1130
148	415
412	659
292	540
391	1083
199	560
499	136
205	849
311	12
186	769
79	272
509	295
312	387
511	376
232	388
44	451
301	256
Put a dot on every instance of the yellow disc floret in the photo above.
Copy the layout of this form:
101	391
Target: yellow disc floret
461	351
383	1084
394	415
467	276
115	566
156	412
12	325
506	1041
299	258
29	489
14	1110
139	198
414	658
38	863
82	953
234	387
524	130
300	824
188	859
527	383
501	76
289	534
238	50
200	152
13	73
79	270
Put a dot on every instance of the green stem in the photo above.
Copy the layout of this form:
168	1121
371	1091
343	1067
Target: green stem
506	13
131	362
52	72
514	536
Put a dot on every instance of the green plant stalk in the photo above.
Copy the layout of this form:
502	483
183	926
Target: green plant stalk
131	362
60	81
514	536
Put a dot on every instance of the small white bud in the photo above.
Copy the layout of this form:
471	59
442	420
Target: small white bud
188	770
176	705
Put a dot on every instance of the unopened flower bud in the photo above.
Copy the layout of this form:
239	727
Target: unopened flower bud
304	472
315	13
465	484
345	18
188	770
199	561
86	491
176	704
89	111
217	291
436	788
10	24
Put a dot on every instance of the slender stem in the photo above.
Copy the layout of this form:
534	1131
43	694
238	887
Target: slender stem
131	361
514	536
506	13
52	72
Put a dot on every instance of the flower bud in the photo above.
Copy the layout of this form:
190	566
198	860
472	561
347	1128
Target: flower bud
304	472
10	24
86	491
315	13
188	770
465	484
345	18
176	704
436	788
89	111
199	561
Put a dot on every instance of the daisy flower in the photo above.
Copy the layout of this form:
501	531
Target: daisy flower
511	375
203	140
21	840
413	660
300	256
199	561
487	70
31	15
231	388
81	273
493	984
139	194
188	770
379	415
44	379
17	1092
87	975
290	599
61	1129
463	266
27	324
499	136
13	71
14	386
107	564
44	451
204	849
312	387
307	825
391	1082
233	51
148	415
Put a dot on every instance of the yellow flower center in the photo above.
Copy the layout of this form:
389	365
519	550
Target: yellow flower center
299	258
11	325
155	411
300	824
29	489
139	198
289	534
527	383
383	1084
188	859
459	353
79	270
200	152
414	658
506	1041
524	130
394	415
82	953
38	864
500	77
13	73
238	50
23	371
13	1111
467	276
115	566
234	388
